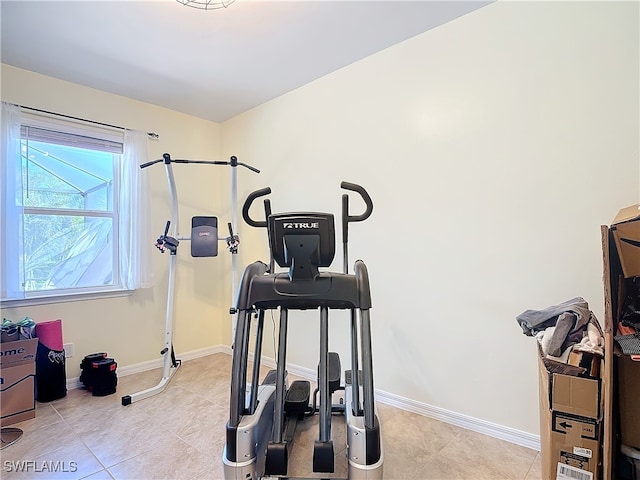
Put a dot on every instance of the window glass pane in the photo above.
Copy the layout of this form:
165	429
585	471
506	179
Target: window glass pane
60	176
67	251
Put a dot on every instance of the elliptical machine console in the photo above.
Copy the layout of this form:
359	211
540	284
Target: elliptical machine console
303	242
263	415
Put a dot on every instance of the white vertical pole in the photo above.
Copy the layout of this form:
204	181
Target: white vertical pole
173	229
234	223
173	232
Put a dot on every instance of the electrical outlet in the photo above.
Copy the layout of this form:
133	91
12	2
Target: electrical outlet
68	350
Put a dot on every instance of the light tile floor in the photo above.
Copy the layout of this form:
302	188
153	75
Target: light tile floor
179	434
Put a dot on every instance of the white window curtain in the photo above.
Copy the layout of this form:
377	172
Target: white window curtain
134	226
10	204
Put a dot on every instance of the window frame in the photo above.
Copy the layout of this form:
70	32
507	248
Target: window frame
79	129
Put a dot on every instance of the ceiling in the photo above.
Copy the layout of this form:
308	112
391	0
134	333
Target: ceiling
212	64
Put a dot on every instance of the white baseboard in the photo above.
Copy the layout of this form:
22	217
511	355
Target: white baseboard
157	363
495	430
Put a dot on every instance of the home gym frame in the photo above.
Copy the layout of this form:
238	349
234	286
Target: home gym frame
202	245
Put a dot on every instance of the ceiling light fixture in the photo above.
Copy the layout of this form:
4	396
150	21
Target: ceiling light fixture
206	4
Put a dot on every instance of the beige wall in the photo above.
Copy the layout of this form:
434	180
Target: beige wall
494	147
131	328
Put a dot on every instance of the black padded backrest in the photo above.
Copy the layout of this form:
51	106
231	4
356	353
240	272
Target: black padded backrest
204	236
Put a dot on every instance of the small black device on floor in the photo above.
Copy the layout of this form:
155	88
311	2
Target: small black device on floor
99	374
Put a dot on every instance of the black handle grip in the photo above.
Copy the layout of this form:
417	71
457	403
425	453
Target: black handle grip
247	205
253	169
153	162
365	196
345	218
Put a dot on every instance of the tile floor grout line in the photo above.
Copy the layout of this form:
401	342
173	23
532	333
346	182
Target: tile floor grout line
530	467
79	437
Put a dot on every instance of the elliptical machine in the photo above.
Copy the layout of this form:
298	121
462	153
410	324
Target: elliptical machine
259	431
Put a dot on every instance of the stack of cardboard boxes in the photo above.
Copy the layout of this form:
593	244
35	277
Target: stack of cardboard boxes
590	424
17	381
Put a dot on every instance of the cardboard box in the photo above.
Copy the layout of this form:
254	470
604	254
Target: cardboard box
17	381
626	234
629	388
17	394
570	425
17	353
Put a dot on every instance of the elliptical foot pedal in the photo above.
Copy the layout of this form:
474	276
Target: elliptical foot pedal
323	457
296	402
276	459
271	378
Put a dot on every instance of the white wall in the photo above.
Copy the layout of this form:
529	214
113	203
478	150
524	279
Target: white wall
131	328
493	147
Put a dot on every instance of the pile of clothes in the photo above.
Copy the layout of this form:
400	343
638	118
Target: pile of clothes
564	328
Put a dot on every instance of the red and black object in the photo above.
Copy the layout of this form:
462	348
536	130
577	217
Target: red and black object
99	374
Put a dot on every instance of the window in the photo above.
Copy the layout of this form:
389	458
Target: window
73	205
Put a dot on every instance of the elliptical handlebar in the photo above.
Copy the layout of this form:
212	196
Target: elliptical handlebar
367	200
247	205
346	218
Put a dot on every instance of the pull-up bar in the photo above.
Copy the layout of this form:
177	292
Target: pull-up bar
233	162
